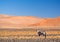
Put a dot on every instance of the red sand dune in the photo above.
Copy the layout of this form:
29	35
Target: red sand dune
27	21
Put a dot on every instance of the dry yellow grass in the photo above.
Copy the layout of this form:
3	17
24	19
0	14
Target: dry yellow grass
7	33
27	34
52	32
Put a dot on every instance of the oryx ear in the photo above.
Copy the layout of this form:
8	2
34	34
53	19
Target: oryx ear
43	32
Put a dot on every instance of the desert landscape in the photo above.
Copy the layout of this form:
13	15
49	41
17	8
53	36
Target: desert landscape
29	20
24	29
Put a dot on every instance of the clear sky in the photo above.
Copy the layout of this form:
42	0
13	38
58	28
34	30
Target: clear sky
39	8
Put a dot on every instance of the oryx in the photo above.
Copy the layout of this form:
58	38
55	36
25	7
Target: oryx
41	33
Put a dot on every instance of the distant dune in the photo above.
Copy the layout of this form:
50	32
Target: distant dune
27	21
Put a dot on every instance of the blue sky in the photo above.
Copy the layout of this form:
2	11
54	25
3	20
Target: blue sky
38	8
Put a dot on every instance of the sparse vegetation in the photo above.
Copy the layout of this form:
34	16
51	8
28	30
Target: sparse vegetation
28	35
